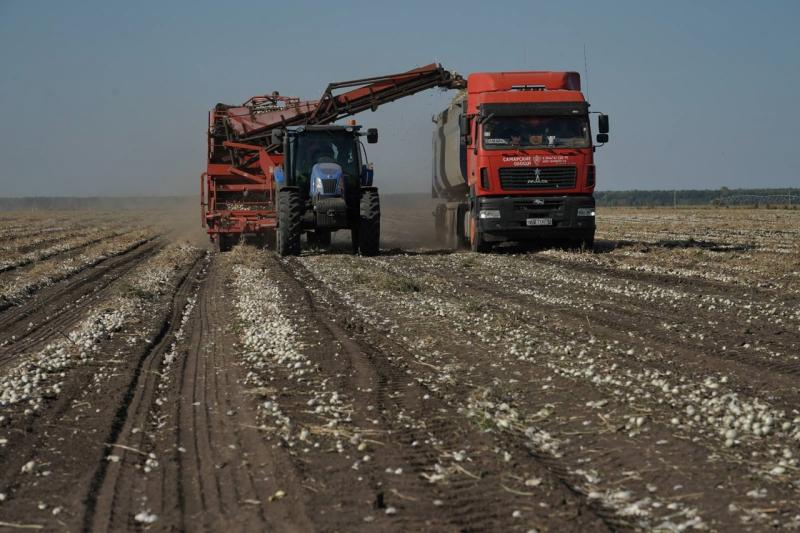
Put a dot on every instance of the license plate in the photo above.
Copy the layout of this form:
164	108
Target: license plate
540	221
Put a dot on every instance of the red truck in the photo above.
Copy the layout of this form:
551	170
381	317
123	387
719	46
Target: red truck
514	161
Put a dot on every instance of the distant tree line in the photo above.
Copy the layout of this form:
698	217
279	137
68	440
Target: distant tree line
708	197
91	202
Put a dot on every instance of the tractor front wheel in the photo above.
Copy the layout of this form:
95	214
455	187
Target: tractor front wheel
369	230
289	222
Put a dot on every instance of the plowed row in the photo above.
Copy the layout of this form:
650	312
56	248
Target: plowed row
650	384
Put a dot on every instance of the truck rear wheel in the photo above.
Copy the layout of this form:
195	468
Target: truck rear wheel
440	224
462	226
289	222
369	227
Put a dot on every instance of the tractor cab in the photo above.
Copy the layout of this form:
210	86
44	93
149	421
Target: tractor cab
326	160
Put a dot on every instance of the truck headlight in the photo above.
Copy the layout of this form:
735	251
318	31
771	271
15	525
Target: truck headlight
318	185
489	213
586	211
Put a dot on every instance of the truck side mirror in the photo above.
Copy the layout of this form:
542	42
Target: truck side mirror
463	129
602	138
277	136
602	123
372	135
463	125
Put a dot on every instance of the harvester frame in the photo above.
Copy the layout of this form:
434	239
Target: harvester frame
239	194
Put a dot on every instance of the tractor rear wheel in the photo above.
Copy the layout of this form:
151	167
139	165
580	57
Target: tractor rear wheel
369	230
289	222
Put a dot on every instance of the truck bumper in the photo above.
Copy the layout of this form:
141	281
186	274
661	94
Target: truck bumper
518	213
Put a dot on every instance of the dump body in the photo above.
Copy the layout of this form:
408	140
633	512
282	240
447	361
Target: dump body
513	159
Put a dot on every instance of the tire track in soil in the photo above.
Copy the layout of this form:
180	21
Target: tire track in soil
642	319
620	452
54	309
66	439
216	472
4	270
99	498
469	504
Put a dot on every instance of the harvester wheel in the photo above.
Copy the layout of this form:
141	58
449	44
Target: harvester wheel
224	243
289	222
369	231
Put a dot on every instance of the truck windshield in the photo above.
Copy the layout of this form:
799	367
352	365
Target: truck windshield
312	147
536	132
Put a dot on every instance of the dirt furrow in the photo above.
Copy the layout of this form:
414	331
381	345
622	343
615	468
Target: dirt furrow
55	308
204	464
427	431
423	321
126	442
723	348
52	457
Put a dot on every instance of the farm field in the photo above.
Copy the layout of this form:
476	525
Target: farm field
652	383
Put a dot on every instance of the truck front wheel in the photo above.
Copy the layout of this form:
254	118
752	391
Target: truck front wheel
289	222
477	241
369	227
587	242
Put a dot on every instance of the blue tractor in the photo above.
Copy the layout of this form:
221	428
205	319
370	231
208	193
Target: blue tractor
325	185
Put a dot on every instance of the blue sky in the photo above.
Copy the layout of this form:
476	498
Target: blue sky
110	98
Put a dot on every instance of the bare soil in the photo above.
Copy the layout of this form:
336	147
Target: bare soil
648	384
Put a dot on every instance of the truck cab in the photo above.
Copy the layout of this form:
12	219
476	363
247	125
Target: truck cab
525	159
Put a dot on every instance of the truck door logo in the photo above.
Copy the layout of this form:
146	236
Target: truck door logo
537	177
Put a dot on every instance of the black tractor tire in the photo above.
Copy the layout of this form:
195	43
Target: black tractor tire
224	243
290	215
369	227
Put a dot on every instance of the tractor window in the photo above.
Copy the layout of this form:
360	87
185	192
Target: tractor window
312	147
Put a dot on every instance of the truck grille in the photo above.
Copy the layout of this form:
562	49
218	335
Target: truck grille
537	177
329	186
